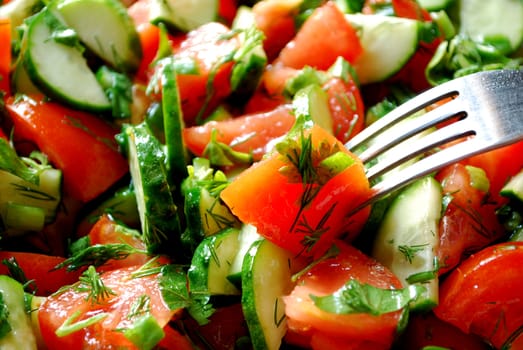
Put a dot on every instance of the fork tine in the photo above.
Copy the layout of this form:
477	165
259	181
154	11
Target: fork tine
413	127
459	129
401	112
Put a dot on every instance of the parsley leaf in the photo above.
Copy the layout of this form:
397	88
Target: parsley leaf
355	297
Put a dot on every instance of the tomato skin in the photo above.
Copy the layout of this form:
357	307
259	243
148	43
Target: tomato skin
207	46
5	55
256	129
226	325
469	221
326	277
276	19
338	38
428	330
40	269
76	142
346	107
105	231
59	307
276	210
484	294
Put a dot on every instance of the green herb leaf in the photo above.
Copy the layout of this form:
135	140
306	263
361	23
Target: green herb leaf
355	297
91	282
5	326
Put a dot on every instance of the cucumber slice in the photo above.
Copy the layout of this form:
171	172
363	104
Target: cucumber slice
17	11
247	236
266	278
21	335
183	15
211	263
312	101
481	19
46	195
514	187
407	239
434	5
52	66
106	28
388	43
21	82
157	210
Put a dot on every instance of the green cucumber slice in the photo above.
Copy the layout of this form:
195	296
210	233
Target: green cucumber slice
388	43
106	28
247	236
514	187
183	15
211	263
52	65
21	335
266	278
482	19
408	238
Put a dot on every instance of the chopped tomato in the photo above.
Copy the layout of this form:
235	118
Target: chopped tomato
303	217
469	221
82	145
227	10
428	330
250	133
174	339
325	329
276	19
484	294
126	293
40	269
261	101
202	90
106	231
499	165
275	77
225	327
5	55
346	107
410	9
323	37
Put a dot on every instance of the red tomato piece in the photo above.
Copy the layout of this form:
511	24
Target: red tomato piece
5	55
428	330
278	211
207	46
499	165
469	222
227	10
106	231
346	107
250	133
82	145
40	269
484	294
323	37
276	19
350	331
104	334
225	327
410	9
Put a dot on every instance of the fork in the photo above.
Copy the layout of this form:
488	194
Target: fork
484	111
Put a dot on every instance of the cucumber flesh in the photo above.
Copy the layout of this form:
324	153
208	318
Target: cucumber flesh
21	336
247	236
514	187
266	278
183	15
434	5
482	19
106	28
51	65
211	263
407	239
388	43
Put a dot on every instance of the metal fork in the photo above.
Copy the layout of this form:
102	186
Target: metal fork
484	109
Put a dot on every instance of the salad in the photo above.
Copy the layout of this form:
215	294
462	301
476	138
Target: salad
173	175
